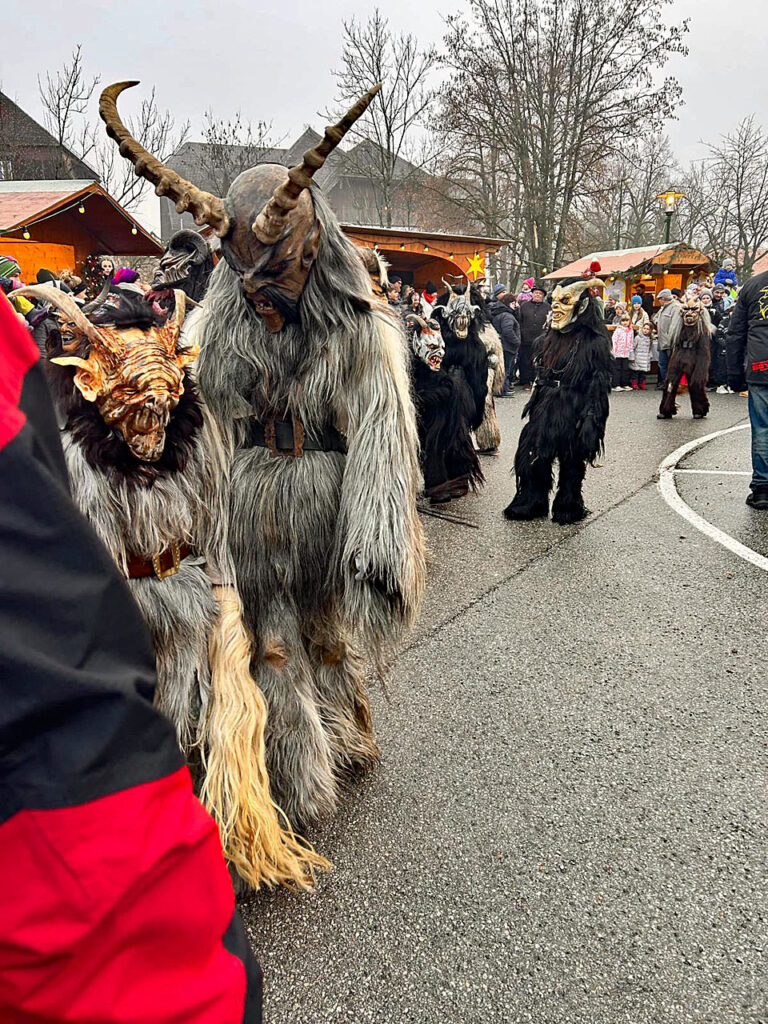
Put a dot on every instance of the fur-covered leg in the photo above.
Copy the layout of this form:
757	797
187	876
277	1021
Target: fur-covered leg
488	435
300	759
568	506
340	677
667	408
534	481
256	836
699	400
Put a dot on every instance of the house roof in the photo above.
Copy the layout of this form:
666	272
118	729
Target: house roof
25	203
447	236
618	262
20	129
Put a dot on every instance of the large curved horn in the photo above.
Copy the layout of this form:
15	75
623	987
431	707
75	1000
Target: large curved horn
100	298
66	305
269	225
204	207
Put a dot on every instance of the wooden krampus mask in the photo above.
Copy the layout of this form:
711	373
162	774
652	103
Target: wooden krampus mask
459	311
269	233
134	375
426	340
570	302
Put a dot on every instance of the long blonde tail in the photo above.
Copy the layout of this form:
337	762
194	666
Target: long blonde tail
256	835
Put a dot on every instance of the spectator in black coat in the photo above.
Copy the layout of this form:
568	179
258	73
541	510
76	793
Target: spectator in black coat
533	316
508	329
747	350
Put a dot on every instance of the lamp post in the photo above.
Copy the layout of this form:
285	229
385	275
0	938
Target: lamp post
670	202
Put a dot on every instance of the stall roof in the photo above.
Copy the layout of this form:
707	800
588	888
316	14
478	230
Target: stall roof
26	203
621	262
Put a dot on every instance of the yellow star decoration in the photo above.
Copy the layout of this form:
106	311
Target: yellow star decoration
476	266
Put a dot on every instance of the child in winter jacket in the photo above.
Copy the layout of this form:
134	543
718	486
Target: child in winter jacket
641	360
623	347
726	275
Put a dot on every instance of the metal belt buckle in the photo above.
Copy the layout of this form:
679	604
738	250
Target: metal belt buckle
297	429
173	569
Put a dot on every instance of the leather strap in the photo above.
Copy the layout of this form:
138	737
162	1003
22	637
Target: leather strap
292	438
162	565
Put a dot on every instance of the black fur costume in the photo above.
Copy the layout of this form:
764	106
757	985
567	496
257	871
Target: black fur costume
444	406
186	265
465	357
568	407
690	338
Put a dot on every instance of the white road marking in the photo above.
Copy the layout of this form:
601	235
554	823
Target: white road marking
715	472
669	493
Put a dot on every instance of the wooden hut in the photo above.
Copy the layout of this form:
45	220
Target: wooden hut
655	266
56	224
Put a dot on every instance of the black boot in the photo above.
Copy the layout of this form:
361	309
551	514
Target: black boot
758	498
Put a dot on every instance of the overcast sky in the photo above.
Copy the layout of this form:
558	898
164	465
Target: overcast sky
273	61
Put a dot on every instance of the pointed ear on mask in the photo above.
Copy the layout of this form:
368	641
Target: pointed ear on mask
88	378
583	305
187	355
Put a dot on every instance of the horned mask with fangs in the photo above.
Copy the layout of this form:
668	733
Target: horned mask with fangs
269	233
570	301
135	377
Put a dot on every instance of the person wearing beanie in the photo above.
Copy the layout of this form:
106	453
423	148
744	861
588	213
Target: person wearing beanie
637	313
727	275
645	298
508	329
524	294
498	290
9	267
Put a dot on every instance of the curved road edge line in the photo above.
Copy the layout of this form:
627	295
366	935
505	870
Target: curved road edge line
671	495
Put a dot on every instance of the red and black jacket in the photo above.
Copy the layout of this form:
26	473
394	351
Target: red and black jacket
115	904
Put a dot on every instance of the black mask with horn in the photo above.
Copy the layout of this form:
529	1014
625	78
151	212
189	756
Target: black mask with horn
270	236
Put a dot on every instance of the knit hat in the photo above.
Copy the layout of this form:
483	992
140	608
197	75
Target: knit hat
665	293
705	291
125	275
9	267
636	300
499	289
528	281
45	276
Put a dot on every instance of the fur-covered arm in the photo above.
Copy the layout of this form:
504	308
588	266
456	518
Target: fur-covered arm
594	406
492	342
379	548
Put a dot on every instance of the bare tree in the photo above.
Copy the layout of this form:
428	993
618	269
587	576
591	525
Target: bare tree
67	97
565	99
389	154
727	196
232	147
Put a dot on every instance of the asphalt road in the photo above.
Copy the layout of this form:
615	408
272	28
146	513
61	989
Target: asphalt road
569	821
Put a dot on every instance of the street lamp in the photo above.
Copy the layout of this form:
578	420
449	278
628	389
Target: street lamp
670	202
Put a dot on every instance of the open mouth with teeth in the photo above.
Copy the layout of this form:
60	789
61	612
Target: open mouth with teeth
262	305
434	360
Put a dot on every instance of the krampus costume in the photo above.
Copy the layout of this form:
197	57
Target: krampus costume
186	265
306	376
461	323
568	407
488	434
148	471
690	337
443	408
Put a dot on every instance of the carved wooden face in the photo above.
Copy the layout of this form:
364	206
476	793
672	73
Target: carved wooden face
692	311
272	276
426	341
135	377
569	301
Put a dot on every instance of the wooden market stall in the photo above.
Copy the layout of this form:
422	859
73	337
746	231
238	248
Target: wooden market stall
56	224
654	266
422	256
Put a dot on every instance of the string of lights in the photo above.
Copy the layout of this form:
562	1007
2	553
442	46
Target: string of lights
78	204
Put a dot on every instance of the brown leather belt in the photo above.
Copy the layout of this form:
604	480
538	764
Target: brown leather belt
165	564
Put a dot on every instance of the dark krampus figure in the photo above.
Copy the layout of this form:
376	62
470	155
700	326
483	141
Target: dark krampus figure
443	406
461	321
568	407
690	339
186	265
